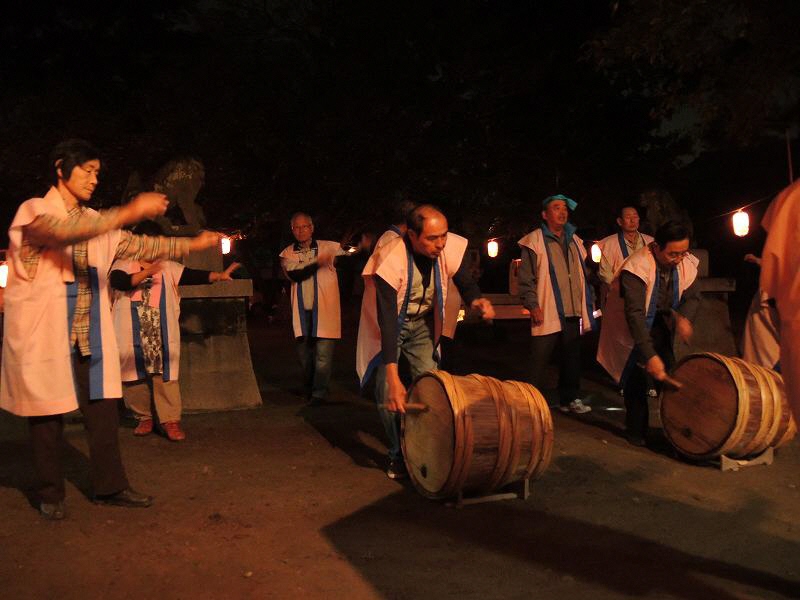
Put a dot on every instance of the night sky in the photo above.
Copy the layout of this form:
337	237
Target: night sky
341	108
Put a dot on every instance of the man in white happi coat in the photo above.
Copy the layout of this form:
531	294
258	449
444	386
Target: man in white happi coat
316	315
653	298
399	224
554	287
403	312
59	348
619	246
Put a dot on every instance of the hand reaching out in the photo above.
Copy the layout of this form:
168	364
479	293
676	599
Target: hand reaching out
226	274
204	239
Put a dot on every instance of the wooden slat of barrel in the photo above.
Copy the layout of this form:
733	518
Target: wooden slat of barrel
482	415
711	382
755	421
533	434
546	417
787	426
700	417
428	439
488	433
771	412
505	432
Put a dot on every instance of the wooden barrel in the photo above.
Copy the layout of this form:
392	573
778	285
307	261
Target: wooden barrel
476	434
727	406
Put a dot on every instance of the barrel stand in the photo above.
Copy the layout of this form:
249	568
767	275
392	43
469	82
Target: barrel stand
521	490
734	464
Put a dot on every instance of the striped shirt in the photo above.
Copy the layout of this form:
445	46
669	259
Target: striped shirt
47	231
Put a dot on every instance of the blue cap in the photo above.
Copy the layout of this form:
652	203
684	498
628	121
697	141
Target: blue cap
571	204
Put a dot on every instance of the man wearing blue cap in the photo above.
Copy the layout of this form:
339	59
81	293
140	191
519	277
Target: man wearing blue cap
554	287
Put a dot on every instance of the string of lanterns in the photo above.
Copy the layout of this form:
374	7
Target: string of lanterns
740	221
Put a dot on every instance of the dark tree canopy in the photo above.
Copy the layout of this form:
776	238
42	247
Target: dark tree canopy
342	108
716	71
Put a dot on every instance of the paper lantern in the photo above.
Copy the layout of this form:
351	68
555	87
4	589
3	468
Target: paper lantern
597	254
226	245
492	248
3	274
741	223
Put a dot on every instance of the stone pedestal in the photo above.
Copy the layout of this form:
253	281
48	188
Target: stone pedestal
216	370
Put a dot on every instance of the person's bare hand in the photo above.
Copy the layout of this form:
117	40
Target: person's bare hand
203	240
655	368
683	328
485	307
396	397
537	316
146	205
226	274
752	258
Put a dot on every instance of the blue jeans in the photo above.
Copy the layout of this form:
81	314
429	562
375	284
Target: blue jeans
316	360
416	344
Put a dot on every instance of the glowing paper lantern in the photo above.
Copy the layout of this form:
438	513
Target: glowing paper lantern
741	223
3	275
597	254
226	245
491	248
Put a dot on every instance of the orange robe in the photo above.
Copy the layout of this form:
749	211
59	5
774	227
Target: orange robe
780	279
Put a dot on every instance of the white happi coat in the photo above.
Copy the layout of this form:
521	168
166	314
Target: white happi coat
326	319
387	236
615	250
37	376
128	328
547	291
615	349
760	337
395	265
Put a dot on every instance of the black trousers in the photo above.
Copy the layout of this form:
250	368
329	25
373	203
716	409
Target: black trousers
568	343
101	422
638	383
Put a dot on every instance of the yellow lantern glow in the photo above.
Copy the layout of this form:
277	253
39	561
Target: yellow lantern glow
491	248
741	223
3	274
597	254
226	245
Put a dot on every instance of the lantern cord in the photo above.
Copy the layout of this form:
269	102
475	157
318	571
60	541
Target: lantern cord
735	210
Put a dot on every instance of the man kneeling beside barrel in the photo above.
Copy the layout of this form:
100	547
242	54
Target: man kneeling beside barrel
653	297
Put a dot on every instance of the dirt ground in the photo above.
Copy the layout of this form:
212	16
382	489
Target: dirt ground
291	502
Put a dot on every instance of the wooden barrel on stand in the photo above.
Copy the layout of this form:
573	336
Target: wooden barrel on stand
474	434
726	407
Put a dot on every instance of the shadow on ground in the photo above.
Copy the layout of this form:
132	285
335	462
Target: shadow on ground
514	549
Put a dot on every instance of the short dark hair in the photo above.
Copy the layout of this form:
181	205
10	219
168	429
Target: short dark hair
70	154
672	231
401	210
624	206
416	220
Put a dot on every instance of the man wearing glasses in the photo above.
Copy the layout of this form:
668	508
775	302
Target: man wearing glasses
654	297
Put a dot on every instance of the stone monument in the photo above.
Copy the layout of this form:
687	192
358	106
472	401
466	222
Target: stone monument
216	370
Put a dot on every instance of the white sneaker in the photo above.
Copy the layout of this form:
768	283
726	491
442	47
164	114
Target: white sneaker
576	406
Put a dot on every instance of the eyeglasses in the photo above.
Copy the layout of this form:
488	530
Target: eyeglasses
676	254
